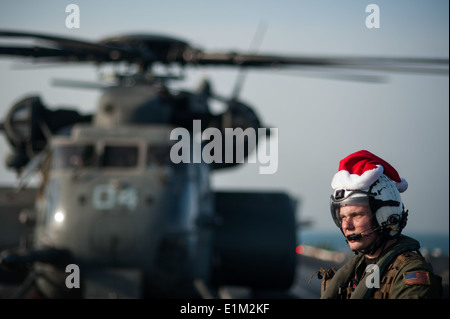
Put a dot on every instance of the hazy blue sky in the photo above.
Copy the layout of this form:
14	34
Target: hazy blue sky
319	121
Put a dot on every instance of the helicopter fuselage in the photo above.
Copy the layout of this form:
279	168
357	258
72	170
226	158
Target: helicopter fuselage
114	199
114	204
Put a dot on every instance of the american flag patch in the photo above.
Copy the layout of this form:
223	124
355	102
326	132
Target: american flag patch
417	277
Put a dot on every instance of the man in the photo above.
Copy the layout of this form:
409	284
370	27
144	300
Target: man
367	207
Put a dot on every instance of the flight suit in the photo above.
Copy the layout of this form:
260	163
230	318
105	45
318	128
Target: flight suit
403	274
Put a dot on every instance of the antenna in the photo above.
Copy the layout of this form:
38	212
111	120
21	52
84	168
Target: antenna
254	47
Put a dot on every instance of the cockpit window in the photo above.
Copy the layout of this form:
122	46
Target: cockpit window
73	156
158	154
120	156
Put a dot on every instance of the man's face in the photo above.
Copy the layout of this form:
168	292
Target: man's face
356	220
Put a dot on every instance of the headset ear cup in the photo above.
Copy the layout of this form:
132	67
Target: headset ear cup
393	219
386	204
403	220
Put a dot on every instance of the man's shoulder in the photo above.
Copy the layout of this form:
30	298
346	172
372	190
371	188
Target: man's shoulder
410	261
405	255
415	277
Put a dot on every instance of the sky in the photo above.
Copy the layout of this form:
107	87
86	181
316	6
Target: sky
320	120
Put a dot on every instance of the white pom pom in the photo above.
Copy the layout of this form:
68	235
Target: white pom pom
402	186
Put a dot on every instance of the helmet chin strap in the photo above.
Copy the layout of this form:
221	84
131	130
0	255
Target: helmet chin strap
383	234
381	241
382	238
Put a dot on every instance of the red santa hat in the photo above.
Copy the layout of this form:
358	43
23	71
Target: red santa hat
361	169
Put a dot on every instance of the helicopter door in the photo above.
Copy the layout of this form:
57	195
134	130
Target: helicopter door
255	244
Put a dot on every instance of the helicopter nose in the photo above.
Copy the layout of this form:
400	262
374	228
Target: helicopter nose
114	237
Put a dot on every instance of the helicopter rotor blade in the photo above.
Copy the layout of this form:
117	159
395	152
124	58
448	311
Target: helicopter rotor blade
425	65
65	49
31	52
50	55
29	67
146	49
61	42
369	78
81	84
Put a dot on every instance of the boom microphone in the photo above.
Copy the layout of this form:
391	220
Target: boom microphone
361	235
354	237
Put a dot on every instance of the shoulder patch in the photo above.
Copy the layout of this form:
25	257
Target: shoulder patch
417	277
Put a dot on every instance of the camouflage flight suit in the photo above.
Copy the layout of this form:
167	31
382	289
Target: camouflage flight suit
403	274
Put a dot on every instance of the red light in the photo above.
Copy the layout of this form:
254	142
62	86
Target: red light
300	249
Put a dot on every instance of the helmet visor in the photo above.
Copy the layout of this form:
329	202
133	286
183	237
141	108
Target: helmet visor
343	197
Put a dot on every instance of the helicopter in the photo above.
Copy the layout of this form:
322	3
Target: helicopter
123	209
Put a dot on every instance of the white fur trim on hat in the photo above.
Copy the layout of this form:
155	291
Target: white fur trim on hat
343	179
